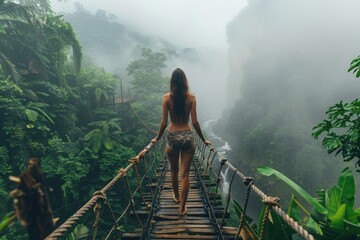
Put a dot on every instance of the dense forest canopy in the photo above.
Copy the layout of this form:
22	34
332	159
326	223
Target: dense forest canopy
59	110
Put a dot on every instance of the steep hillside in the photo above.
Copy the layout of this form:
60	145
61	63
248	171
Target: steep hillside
287	66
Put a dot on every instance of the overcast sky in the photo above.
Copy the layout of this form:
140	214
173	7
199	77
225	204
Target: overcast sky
189	23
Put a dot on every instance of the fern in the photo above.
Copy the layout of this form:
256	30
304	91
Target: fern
31	115
39	110
81	232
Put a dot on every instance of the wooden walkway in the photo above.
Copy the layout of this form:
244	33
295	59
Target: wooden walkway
197	223
166	223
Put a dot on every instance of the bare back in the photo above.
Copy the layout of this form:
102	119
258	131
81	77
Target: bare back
189	110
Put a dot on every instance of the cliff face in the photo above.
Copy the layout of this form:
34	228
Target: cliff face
292	42
288	63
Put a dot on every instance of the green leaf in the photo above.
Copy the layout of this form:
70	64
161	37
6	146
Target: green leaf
347	185
31	115
337	219
349	234
275	228
267	171
334	201
293	210
81	232
239	211
350	215
358	73
237	208
357	211
313	226
6	220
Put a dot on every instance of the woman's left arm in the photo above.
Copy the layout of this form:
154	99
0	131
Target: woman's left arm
164	119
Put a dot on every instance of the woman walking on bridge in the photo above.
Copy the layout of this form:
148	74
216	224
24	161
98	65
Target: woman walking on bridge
179	103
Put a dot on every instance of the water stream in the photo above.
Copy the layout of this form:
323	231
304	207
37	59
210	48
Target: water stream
238	190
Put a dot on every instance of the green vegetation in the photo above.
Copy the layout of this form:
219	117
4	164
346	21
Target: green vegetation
342	127
53	108
332	216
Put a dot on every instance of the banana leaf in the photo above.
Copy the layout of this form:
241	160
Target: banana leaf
275	227
267	171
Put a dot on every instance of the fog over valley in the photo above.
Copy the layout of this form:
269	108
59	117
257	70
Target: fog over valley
194	30
266	70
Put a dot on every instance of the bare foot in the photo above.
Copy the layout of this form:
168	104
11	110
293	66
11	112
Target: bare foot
176	199
183	212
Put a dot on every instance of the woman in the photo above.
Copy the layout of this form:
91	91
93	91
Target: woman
180	104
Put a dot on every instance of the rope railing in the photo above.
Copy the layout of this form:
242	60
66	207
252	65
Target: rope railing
99	201
205	165
207	169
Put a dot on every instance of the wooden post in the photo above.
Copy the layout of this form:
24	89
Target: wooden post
31	202
122	106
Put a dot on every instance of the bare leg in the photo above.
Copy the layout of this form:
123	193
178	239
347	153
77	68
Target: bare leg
186	157
174	165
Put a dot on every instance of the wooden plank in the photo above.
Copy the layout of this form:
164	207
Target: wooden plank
188	204
189	230
161	217
180	236
183	225
131	236
183	221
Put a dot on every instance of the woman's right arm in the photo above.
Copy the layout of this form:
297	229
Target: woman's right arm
195	121
164	119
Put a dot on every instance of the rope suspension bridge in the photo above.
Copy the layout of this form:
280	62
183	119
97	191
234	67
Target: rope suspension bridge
148	208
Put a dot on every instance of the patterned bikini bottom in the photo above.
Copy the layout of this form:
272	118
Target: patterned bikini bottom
180	140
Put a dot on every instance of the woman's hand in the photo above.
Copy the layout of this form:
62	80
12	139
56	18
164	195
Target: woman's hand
154	140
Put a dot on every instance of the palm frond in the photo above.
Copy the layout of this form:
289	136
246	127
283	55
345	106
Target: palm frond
38	62
42	112
9	68
19	11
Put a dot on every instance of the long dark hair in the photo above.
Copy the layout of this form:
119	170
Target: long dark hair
179	93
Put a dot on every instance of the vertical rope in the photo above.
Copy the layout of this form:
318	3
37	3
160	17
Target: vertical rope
132	203
208	165
202	154
147	177
248	182
268	201
218	179
138	180
209	207
203	159
266	215
228	198
154	170
113	218
210	171
97	208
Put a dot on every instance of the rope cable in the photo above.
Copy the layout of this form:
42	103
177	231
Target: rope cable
290	221
142	121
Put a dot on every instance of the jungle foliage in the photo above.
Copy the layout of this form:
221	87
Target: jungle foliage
342	127
332	215
54	109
